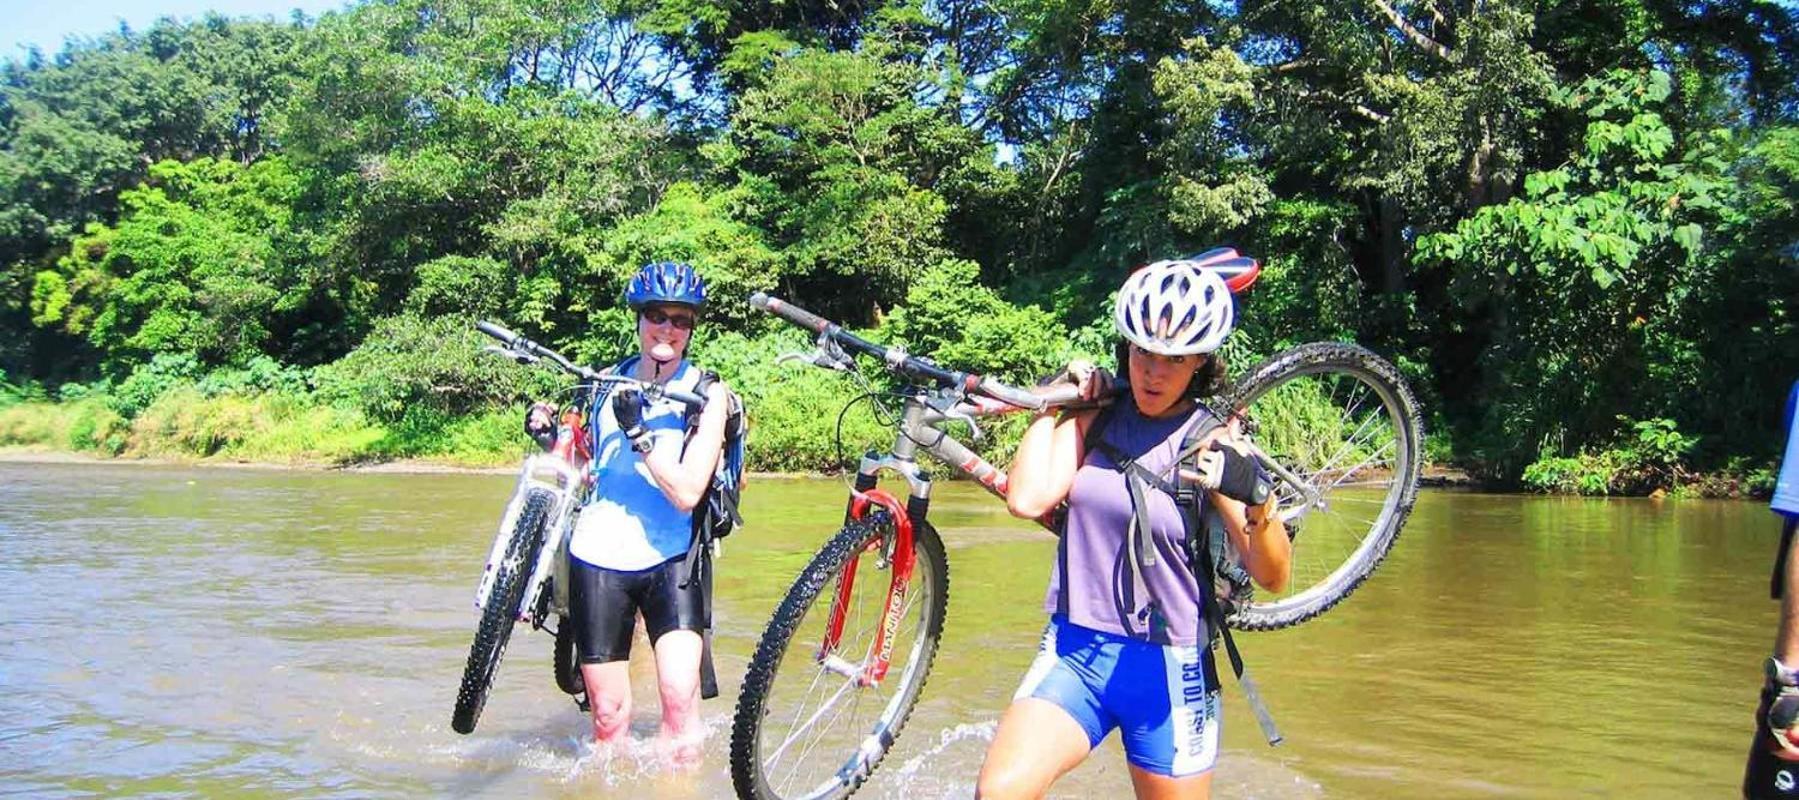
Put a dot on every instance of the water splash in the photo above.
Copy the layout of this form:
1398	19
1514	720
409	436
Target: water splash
925	772
638	758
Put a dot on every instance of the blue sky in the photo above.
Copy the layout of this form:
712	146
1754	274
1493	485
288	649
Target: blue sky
46	23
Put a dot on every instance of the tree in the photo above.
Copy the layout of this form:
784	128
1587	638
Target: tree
194	266
1579	285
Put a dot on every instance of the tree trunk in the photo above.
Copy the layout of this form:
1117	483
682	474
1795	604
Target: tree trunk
1392	246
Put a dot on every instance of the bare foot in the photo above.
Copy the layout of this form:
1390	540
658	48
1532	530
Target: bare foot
683	752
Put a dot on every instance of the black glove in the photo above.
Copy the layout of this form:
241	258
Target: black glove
541	427
1769	772
627	408
1234	475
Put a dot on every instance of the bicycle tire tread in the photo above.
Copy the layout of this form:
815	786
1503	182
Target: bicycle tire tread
759	678
500	615
1320	357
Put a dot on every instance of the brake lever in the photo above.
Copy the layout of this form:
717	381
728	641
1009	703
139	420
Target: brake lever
828	348
974	429
517	356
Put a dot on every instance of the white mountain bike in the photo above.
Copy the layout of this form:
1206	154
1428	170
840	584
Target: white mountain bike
526	576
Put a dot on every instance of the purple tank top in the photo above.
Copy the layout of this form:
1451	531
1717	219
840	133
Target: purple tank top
1091	583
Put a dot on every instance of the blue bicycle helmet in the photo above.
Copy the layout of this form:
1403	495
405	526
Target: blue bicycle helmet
666	282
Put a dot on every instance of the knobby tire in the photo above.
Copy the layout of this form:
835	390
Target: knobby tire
753	728
1331	360
502	610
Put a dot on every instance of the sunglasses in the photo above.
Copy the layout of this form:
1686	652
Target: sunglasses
657	316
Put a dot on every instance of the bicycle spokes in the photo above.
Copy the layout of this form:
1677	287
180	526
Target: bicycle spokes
824	713
1339	429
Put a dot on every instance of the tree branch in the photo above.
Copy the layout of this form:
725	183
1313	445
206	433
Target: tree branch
1361	110
1297	63
1416	36
1436	15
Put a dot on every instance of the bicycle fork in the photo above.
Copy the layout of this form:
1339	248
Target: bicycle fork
898	552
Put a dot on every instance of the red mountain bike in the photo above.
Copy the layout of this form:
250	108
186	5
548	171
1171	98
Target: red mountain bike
842	663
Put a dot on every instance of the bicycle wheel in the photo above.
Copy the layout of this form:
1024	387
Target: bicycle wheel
804	726
568	672
502	610
1342	422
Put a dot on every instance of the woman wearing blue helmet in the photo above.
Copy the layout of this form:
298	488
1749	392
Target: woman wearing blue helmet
652	467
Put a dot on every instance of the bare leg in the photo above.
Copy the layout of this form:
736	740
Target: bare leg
1037	743
609	699
678	681
1151	786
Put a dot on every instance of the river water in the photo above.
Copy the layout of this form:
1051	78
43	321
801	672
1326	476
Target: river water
210	632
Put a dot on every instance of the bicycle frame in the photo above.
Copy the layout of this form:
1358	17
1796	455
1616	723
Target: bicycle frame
958	396
918	430
563	472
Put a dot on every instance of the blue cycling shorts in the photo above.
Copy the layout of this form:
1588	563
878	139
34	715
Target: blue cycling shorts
1163	698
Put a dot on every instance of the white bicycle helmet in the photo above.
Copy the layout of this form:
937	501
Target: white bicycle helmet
1175	308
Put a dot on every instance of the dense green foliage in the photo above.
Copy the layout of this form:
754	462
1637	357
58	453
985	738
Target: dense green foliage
1573	224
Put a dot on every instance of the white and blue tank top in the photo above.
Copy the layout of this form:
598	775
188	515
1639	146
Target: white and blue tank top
629	524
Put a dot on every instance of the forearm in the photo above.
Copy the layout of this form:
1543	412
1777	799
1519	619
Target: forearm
1261	536
1041	474
683	484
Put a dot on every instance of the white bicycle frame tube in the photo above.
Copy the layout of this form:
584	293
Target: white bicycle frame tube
557	476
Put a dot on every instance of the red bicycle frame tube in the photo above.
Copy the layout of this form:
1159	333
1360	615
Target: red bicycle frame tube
904	558
571	440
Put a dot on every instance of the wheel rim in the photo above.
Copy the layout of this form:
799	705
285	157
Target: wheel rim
1341	431
821	733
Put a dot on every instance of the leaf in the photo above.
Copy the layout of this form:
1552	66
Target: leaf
1687	236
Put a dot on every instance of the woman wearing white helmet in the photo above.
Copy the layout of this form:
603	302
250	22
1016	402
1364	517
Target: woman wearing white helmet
1127	646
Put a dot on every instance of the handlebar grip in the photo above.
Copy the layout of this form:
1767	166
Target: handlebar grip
790	312
1066	395
686	398
496	331
1031	400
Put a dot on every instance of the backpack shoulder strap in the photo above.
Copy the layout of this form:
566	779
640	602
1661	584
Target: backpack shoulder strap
703	388
1094	439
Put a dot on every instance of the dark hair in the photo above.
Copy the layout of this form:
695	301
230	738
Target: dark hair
1208	381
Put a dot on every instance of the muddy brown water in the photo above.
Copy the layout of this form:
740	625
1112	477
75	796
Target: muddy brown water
171	631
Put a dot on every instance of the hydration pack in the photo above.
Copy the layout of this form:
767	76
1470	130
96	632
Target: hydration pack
1211	556
717	515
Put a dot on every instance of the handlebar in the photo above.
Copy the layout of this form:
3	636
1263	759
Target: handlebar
520	344
911	366
497	331
791	313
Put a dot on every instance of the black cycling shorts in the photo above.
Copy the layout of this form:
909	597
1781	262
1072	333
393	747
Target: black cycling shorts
604	604
1767	776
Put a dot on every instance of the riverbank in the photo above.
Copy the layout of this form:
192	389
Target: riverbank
1434	476
420	466
279	431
